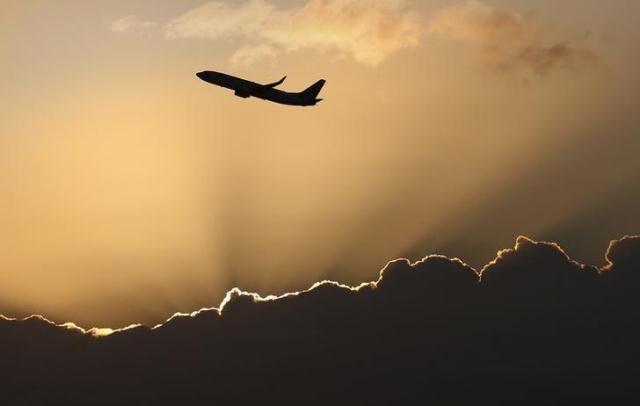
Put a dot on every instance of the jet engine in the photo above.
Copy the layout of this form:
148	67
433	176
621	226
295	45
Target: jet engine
242	93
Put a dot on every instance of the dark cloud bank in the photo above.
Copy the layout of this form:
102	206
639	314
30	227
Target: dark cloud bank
538	328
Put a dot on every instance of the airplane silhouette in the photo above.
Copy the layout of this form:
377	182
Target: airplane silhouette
245	88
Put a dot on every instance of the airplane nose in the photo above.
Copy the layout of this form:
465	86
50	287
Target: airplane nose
200	74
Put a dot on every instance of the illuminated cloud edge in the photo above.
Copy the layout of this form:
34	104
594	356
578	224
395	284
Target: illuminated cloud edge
613	258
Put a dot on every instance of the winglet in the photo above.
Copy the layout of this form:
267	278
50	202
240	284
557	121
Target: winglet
274	84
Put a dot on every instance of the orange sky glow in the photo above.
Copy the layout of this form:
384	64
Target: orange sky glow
131	190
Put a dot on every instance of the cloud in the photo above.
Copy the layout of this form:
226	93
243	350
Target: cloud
509	41
217	19
370	31
70	326
250	55
431	331
622	255
131	23
367	30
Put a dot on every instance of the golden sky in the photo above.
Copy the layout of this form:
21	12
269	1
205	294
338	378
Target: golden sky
131	190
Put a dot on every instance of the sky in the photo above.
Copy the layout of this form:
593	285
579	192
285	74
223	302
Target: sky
131	190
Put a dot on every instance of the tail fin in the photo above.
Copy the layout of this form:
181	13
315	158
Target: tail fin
309	94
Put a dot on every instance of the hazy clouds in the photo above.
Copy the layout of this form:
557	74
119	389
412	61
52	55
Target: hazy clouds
509	40
368	31
132	24
252	54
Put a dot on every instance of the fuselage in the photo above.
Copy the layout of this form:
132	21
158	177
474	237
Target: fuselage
245	88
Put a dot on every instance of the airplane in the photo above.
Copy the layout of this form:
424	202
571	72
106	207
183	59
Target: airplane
244	88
